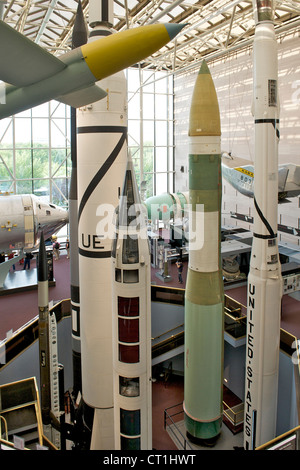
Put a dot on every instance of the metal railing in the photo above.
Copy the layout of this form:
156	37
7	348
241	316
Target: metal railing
25	336
173	428
234	414
173	341
5	428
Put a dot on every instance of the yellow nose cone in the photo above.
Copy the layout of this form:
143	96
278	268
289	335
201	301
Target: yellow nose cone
204	110
121	50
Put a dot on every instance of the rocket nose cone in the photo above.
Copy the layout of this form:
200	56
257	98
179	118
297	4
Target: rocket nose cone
173	29
204	110
204	68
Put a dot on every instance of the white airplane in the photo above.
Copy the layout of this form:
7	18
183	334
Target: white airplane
23	217
240	174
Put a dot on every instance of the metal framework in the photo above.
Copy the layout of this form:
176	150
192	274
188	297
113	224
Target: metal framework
213	27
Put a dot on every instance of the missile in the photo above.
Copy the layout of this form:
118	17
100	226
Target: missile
23	216
101	164
79	37
204	296
71	77
44	346
131	322
48	354
264	279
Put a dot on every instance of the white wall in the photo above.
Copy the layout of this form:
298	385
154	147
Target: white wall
233	81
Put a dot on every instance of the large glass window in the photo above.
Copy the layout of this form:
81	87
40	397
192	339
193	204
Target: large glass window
35	144
150	129
35	152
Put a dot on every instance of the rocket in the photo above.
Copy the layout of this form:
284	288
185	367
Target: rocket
79	37
264	279
44	346
48	354
101	164
131	321
204	295
70	78
102	159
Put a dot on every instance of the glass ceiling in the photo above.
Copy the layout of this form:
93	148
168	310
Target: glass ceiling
213	27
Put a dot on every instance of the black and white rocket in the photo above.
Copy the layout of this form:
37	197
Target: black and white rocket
264	279
44	349
101	163
131	322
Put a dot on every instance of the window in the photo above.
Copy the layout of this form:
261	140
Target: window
130	422
128	307
130	252
128	330
150	129
129	386
129	354
130	276
35	152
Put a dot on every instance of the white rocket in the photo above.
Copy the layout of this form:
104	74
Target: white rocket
101	163
264	280
131	319
48	354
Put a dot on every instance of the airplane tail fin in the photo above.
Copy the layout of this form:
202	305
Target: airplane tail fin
83	97
24	62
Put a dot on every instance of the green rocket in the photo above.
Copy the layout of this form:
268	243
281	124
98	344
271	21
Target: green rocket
204	297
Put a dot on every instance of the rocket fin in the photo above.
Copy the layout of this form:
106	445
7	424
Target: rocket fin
82	97
22	61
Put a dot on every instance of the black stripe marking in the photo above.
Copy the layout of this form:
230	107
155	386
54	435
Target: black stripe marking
104	8
270	121
265	222
75	294
94	254
100	33
101	129
264	237
107	164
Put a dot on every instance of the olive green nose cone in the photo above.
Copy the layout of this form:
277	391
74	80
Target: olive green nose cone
204	110
204	68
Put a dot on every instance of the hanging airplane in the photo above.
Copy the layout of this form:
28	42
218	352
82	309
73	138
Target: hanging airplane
240	174
22	219
70	78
